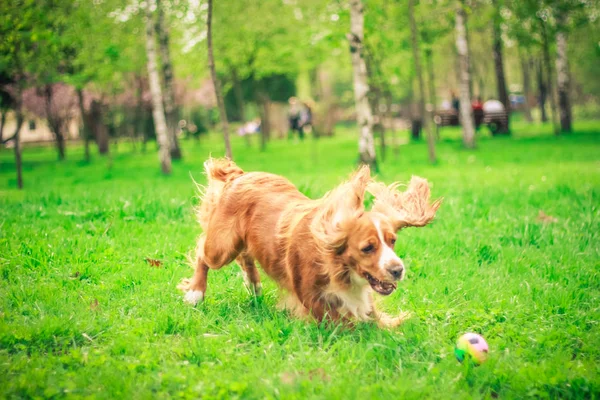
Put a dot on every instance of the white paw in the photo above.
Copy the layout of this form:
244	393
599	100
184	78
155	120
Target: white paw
193	297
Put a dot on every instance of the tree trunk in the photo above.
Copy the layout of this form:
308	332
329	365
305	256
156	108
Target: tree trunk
85	128
499	65
562	72
2	122
327	100
425	120
525	68
53	123
265	124
98	127
17	150
499	59
366	144
171	112
542	91
139	113
158	111
466	112
549	74
390	116
432	96
216	84
239	100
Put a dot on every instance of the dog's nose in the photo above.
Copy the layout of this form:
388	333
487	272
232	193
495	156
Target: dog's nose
396	272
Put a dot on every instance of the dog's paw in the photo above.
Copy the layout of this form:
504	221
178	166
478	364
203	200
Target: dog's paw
194	297
387	321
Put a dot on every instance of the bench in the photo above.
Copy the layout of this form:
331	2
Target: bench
497	122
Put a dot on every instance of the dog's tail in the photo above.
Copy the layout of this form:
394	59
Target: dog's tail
219	171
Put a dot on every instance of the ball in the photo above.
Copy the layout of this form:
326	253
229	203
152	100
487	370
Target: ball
473	346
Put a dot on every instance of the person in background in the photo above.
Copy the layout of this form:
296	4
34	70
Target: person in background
478	113
455	102
294	117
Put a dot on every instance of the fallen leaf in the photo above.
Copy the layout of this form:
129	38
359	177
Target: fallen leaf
76	275
318	373
94	305
545	218
154	263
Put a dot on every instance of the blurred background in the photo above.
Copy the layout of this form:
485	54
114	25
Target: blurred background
105	71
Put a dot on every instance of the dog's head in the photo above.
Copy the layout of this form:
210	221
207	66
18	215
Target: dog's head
369	251
364	241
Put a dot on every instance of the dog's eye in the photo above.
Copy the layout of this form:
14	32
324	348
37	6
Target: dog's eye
368	249
393	241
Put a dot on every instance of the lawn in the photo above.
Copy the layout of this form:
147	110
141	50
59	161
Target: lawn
84	314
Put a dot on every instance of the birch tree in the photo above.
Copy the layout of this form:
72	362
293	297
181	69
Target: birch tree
171	114
216	84
466	112
158	112
364	116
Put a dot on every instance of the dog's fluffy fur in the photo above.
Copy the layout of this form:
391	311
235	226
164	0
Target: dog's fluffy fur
329	255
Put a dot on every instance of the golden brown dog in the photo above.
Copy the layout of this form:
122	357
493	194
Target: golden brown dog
329	255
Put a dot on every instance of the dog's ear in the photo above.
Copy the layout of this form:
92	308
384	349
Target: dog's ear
409	208
338	207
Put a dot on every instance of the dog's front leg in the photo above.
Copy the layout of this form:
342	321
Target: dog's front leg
195	287
384	320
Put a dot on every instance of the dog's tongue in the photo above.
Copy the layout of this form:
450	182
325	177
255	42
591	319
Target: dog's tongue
384	288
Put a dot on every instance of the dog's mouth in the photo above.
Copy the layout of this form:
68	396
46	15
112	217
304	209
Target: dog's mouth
383	288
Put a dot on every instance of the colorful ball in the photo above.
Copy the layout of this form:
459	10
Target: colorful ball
473	346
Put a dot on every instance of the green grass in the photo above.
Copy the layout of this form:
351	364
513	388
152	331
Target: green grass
82	314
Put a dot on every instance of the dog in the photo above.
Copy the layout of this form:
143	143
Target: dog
328	255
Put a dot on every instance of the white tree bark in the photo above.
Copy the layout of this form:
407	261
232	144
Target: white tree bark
425	120
466	112
366	143
158	111
171	112
562	72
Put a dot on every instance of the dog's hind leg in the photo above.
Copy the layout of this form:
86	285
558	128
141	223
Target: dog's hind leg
219	246
250	272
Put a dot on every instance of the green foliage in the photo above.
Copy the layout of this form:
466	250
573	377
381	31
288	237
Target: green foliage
82	314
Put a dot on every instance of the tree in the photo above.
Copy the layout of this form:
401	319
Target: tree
171	111
366	144
562	73
158	111
417	60
216	84
499	58
85	124
16	53
526	70
549	74
542	89
466	112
